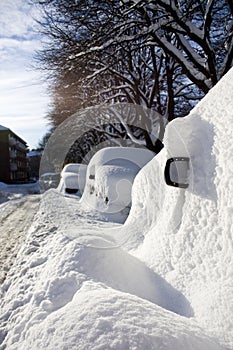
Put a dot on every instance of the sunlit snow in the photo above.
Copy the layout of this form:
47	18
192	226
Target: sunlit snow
163	280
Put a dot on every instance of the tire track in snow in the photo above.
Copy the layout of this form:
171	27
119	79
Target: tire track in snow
13	229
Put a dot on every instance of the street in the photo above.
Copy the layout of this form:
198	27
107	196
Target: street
16	217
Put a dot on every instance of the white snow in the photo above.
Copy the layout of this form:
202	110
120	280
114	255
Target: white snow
17	206
14	191
49	180
186	236
163	280
73	176
110	175
3	185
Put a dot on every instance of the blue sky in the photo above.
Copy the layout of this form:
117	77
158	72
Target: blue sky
24	98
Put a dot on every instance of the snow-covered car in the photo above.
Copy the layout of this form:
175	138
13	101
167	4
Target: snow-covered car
114	182
48	180
73	178
110	175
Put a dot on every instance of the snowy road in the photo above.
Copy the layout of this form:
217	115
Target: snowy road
15	219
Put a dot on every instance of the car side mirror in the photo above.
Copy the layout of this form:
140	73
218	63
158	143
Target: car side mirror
177	171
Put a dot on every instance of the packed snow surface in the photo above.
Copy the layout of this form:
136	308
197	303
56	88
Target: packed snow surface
161	281
14	191
18	204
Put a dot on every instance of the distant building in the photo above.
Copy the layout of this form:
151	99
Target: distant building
13	157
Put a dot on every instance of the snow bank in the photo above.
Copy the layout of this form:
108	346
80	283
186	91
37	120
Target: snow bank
186	235
10	192
66	295
161	281
2	185
112	322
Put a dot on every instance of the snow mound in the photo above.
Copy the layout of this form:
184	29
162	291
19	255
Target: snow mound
10	192
112	322
69	296
110	175
186	235
163	280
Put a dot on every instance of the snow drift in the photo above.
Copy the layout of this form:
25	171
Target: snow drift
187	235
161	281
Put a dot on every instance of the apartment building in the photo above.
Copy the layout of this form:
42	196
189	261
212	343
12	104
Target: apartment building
13	157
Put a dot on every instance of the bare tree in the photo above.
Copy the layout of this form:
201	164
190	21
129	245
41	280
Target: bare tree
197	34
163	54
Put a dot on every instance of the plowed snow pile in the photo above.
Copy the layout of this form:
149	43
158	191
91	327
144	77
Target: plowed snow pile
187	235
162	281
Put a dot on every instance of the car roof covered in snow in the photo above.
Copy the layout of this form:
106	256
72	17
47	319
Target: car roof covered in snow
73	167
138	156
